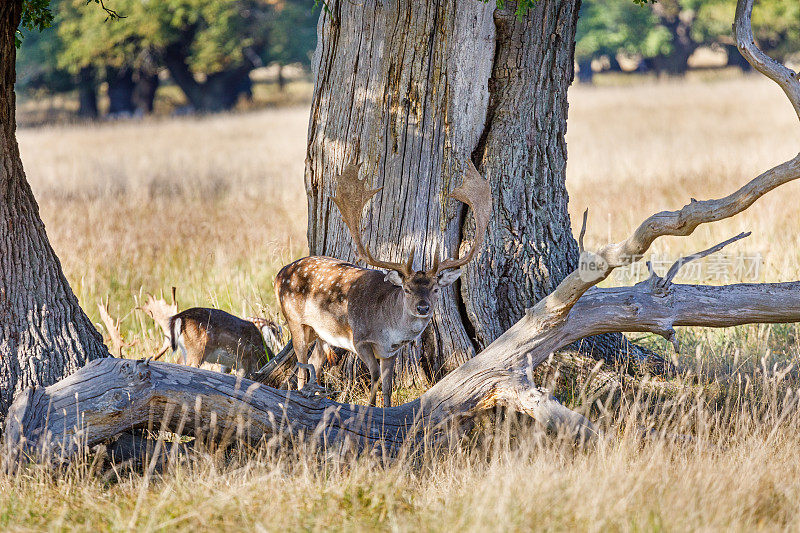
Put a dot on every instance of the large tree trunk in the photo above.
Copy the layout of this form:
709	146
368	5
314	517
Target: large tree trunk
87	93
412	90
219	92
120	91
44	334
678	22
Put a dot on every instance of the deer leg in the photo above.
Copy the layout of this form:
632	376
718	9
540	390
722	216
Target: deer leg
365	353
318	358
184	354
241	366
387	378
301	337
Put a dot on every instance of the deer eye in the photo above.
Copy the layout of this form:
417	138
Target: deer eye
407	291
435	290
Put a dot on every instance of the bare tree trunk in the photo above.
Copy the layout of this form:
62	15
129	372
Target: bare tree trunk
412	89
44	334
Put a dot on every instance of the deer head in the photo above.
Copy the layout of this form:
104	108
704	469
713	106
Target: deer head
419	287
159	310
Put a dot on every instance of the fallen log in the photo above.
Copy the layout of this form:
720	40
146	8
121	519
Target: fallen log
110	396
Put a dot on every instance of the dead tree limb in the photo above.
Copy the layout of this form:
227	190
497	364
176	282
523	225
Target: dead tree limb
112	395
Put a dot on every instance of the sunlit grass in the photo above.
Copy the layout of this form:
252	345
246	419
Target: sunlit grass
216	205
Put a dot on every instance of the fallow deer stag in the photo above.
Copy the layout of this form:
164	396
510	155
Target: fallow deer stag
366	311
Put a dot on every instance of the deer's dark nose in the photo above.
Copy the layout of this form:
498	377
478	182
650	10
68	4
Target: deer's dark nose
423	308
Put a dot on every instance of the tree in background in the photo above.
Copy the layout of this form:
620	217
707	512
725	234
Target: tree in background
37	63
292	36
611	28
117	51
661	35
209	48
666	34
677	17
776	26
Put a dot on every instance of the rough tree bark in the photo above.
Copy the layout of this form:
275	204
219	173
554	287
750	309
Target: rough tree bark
412	89
44	334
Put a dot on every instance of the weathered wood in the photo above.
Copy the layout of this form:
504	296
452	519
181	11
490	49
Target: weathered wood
785	77
279	372
114	395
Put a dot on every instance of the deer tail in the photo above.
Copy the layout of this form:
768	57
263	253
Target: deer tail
174	332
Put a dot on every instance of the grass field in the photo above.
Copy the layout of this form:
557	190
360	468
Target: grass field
216	205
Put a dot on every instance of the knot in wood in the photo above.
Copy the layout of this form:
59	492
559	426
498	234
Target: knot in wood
114	401
142	371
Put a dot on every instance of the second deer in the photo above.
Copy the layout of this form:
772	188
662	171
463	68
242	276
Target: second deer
366	311
206	335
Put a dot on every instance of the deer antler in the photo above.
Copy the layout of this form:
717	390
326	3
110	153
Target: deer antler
477	194
112	326
351	197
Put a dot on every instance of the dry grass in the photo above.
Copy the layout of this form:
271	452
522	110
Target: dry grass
216	205
674	142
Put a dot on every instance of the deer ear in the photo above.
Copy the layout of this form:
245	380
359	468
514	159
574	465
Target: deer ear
448	277
394	277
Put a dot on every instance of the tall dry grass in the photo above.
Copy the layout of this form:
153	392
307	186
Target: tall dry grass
216	205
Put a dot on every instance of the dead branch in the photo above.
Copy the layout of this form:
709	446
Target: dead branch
785	77
677	265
